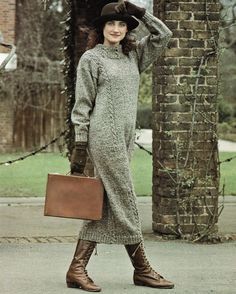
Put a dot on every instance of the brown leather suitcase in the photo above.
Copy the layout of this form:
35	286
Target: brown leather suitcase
73	196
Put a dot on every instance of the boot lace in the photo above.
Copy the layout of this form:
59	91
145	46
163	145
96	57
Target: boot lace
146	262
87	276
86	259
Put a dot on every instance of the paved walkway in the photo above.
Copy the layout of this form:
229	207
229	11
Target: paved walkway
195	269
35	252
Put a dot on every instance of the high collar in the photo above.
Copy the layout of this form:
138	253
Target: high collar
111	52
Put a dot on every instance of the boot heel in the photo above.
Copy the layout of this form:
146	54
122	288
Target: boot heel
136	283
72	285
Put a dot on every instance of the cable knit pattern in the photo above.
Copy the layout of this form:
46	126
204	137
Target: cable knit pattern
104	114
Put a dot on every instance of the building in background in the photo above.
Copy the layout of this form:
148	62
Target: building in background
7	27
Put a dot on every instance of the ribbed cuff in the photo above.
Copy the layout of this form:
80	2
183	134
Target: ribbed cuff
81	145
147	16
80	136
155	24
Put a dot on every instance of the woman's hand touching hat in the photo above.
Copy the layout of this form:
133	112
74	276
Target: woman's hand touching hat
130	8
121	7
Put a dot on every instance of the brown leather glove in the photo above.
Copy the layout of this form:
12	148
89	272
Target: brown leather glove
78	158
130	8
135	10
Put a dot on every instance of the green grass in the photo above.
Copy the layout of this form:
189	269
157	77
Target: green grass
141	166
28	177
228	173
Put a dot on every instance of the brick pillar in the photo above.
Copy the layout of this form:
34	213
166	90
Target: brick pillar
7	28
185	171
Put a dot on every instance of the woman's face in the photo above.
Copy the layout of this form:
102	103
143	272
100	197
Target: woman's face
114	31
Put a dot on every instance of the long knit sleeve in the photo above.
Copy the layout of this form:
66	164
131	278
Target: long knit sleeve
151	46
85	94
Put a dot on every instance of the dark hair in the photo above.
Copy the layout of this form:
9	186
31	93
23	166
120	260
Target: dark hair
96	36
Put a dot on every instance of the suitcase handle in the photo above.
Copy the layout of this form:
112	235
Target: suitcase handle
76	174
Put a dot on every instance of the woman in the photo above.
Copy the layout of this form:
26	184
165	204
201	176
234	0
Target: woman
104	116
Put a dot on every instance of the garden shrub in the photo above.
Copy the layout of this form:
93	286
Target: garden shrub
226	111
144	117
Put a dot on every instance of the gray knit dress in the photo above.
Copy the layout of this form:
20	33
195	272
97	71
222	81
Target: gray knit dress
104	115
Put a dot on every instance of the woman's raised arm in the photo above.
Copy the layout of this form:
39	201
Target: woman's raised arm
151	46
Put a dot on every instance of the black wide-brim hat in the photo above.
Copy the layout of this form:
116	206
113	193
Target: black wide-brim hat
109	13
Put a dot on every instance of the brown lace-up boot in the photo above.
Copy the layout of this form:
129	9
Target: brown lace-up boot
144	274
77	276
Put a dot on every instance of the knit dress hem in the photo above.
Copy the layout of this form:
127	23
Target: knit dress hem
118	239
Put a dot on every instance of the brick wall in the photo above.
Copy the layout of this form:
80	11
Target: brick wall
7	20
185	171
7	28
